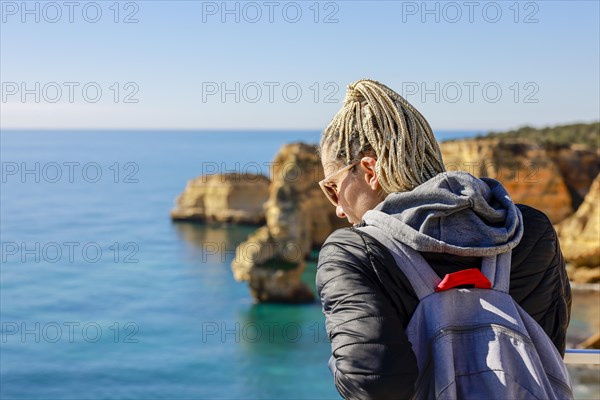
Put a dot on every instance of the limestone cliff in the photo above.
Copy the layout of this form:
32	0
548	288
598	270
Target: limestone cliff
235	198
550	178
580	238
578	166
298	218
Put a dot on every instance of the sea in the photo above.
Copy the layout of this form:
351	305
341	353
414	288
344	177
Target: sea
102	296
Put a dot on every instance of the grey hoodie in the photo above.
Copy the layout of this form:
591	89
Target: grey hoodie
455	213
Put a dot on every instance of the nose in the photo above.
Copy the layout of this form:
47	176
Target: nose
340	212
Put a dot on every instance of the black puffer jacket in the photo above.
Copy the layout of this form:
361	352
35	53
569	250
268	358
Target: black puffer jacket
368	303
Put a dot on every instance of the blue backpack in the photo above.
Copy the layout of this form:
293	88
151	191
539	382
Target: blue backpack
475	343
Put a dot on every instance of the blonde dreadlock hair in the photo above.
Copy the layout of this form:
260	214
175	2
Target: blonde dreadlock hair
375	119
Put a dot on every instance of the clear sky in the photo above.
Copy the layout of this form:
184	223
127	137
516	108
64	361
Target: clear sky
466	65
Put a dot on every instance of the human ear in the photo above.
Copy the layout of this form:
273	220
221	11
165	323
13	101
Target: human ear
368	164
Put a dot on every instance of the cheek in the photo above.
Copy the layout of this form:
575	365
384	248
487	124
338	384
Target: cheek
349	195
356	199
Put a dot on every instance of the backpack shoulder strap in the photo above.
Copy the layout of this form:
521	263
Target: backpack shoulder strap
497	270
421	276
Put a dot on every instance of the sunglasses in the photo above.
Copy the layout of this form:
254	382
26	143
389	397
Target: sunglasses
329	191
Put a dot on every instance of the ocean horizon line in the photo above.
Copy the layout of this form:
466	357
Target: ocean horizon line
195	130
477	131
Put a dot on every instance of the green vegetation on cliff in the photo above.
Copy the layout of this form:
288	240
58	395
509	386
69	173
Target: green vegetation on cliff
585	134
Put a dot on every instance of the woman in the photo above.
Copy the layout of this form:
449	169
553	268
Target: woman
379	153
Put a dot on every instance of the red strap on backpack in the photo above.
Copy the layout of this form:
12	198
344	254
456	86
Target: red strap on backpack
471	276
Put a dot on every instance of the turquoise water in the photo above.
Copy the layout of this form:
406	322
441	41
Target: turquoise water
118	302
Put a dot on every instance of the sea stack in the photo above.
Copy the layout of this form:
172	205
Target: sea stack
298	218
231	198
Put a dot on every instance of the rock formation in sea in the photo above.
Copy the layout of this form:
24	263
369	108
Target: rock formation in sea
233	197
298	218
578	166
551	178
579	237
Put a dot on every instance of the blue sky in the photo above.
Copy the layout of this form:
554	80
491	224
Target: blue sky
281	65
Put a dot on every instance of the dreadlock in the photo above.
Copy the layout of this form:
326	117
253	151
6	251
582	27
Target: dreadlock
375	120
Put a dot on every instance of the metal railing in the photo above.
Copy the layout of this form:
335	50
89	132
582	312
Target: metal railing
581	356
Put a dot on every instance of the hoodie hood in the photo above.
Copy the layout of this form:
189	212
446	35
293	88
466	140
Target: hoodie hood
455	213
